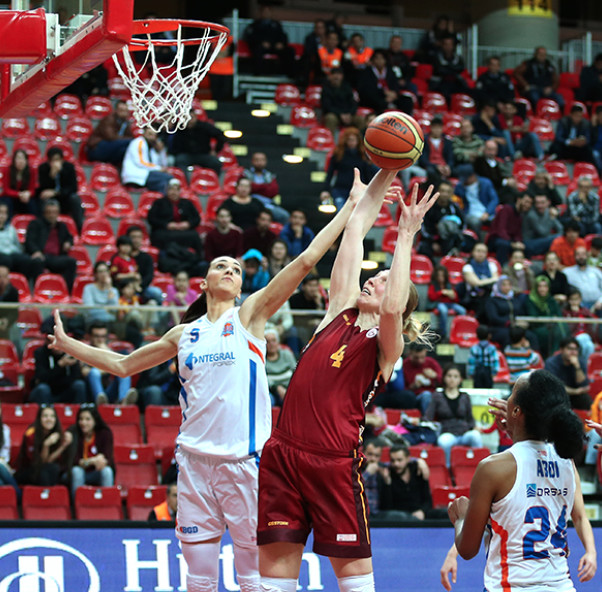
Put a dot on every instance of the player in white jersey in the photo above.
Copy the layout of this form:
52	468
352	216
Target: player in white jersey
226	412
521	499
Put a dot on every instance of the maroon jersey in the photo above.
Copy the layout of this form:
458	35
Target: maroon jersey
325	401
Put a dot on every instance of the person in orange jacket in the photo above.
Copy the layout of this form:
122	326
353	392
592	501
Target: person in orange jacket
593	438
167	509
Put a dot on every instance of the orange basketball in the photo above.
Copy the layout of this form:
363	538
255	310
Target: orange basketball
394	140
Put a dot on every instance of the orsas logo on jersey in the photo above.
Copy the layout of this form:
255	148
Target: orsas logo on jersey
228	330
215	359
534	491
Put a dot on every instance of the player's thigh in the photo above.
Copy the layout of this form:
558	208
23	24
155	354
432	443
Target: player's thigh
280	559
344	567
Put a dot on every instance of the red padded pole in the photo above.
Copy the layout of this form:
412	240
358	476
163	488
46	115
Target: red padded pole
23	34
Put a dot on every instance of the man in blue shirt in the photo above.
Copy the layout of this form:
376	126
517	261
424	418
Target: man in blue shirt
296	234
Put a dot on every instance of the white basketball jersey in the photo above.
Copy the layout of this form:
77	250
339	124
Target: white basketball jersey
527	545
226	409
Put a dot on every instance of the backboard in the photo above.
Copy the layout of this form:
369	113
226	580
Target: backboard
80	35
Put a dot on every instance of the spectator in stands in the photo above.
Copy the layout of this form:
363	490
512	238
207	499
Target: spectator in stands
498	171
400	64
282	322
483	362
57	378
309	297
501	309
100	292
479	198
166	510
225	239
296	235
92	82
538	79
330	55
43	450
437	157
194	145
180	293
494	83
405	493
520	274
131	319
525	143
519	355
107	388
357	57
111	137
18	185
266	36
348	155
586	278
444	299
243	207
540	226
448	66
422	374
264	186
543	184
142	163
564	246
146	265
559	285
452	408
372	471
280	364
567	367
593	438
57	180
339	106
486	126
260	236
479	276
506	231
92	450
467	146
541	303
8	316
573	137
124	268
255	274
430	43
378	87
596	135
582	332
11	250
278	256
48	242
595	252
310	59
590	81
583	205
173	220
336	24
159	385
6	471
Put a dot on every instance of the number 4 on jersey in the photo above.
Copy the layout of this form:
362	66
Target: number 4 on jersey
338	356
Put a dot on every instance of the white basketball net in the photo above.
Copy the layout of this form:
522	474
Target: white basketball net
163	101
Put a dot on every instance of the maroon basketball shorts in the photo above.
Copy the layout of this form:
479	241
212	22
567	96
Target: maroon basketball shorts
301	489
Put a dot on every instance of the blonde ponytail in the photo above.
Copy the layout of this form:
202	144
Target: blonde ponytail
418	332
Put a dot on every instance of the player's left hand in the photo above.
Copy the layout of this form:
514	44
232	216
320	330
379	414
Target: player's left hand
412	215
587	567
357	189
499	409
449	568
458	508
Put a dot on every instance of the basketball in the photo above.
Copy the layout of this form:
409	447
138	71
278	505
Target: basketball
394	140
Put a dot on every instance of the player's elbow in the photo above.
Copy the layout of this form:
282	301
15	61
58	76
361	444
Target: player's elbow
466	551
307	260
390	311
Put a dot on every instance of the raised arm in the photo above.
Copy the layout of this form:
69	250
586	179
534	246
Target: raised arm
588	562
397	289
121	365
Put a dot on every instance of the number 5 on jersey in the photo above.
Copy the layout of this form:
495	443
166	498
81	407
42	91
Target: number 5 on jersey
338	356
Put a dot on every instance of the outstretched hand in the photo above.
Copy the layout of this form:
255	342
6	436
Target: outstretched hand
56	341
413	214
594	426
358	188
499	409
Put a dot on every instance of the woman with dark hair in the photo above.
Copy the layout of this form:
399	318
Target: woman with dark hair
102	293
278	257
524	496
444	298
19	185
41	458
541	303
92	450
226	409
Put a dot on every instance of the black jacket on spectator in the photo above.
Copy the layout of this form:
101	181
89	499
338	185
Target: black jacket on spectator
146	268
338	99
551	192
370	94
590	84
67	180
49	372
495	87
161	213
406	497
539	74
197	140
37	235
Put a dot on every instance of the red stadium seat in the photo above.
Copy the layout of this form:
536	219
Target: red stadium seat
19	417
442	496
103	177
594	366
162	426
424	71
320	139
595	387
287	95
586	169
421	269
89	203
435	459
393	416
384	217
30	146
313	95
118	204
558	172
204	181
543	128
463	331
125	223
8	503
98	107
29	321
66	413
503	375
84	263
50	288
8	353
46	128
146	200
78	129
303	116
44	108
98	503
81	281
21	283
20	223
134	465
106	253
141	500
71	227
524	166
548	108
213	203
434	102
13	127
162	282
97	231
454	266
67	106
569	80
46	503
463	104
464	461
118	90
124	421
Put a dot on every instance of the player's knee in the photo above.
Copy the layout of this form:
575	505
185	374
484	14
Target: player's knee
364	583
278	585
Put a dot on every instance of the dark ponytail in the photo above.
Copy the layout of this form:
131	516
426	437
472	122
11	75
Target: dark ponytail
196	310
548	416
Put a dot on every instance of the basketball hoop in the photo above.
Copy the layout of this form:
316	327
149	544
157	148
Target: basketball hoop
163	101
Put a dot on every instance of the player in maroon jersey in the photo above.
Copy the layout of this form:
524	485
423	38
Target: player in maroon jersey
309	475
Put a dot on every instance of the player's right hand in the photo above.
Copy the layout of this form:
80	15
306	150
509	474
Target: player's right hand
449	568
55	341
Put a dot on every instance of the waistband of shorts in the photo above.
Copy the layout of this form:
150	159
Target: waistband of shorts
217	460
291	441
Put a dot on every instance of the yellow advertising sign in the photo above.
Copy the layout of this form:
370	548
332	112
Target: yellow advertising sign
540	8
